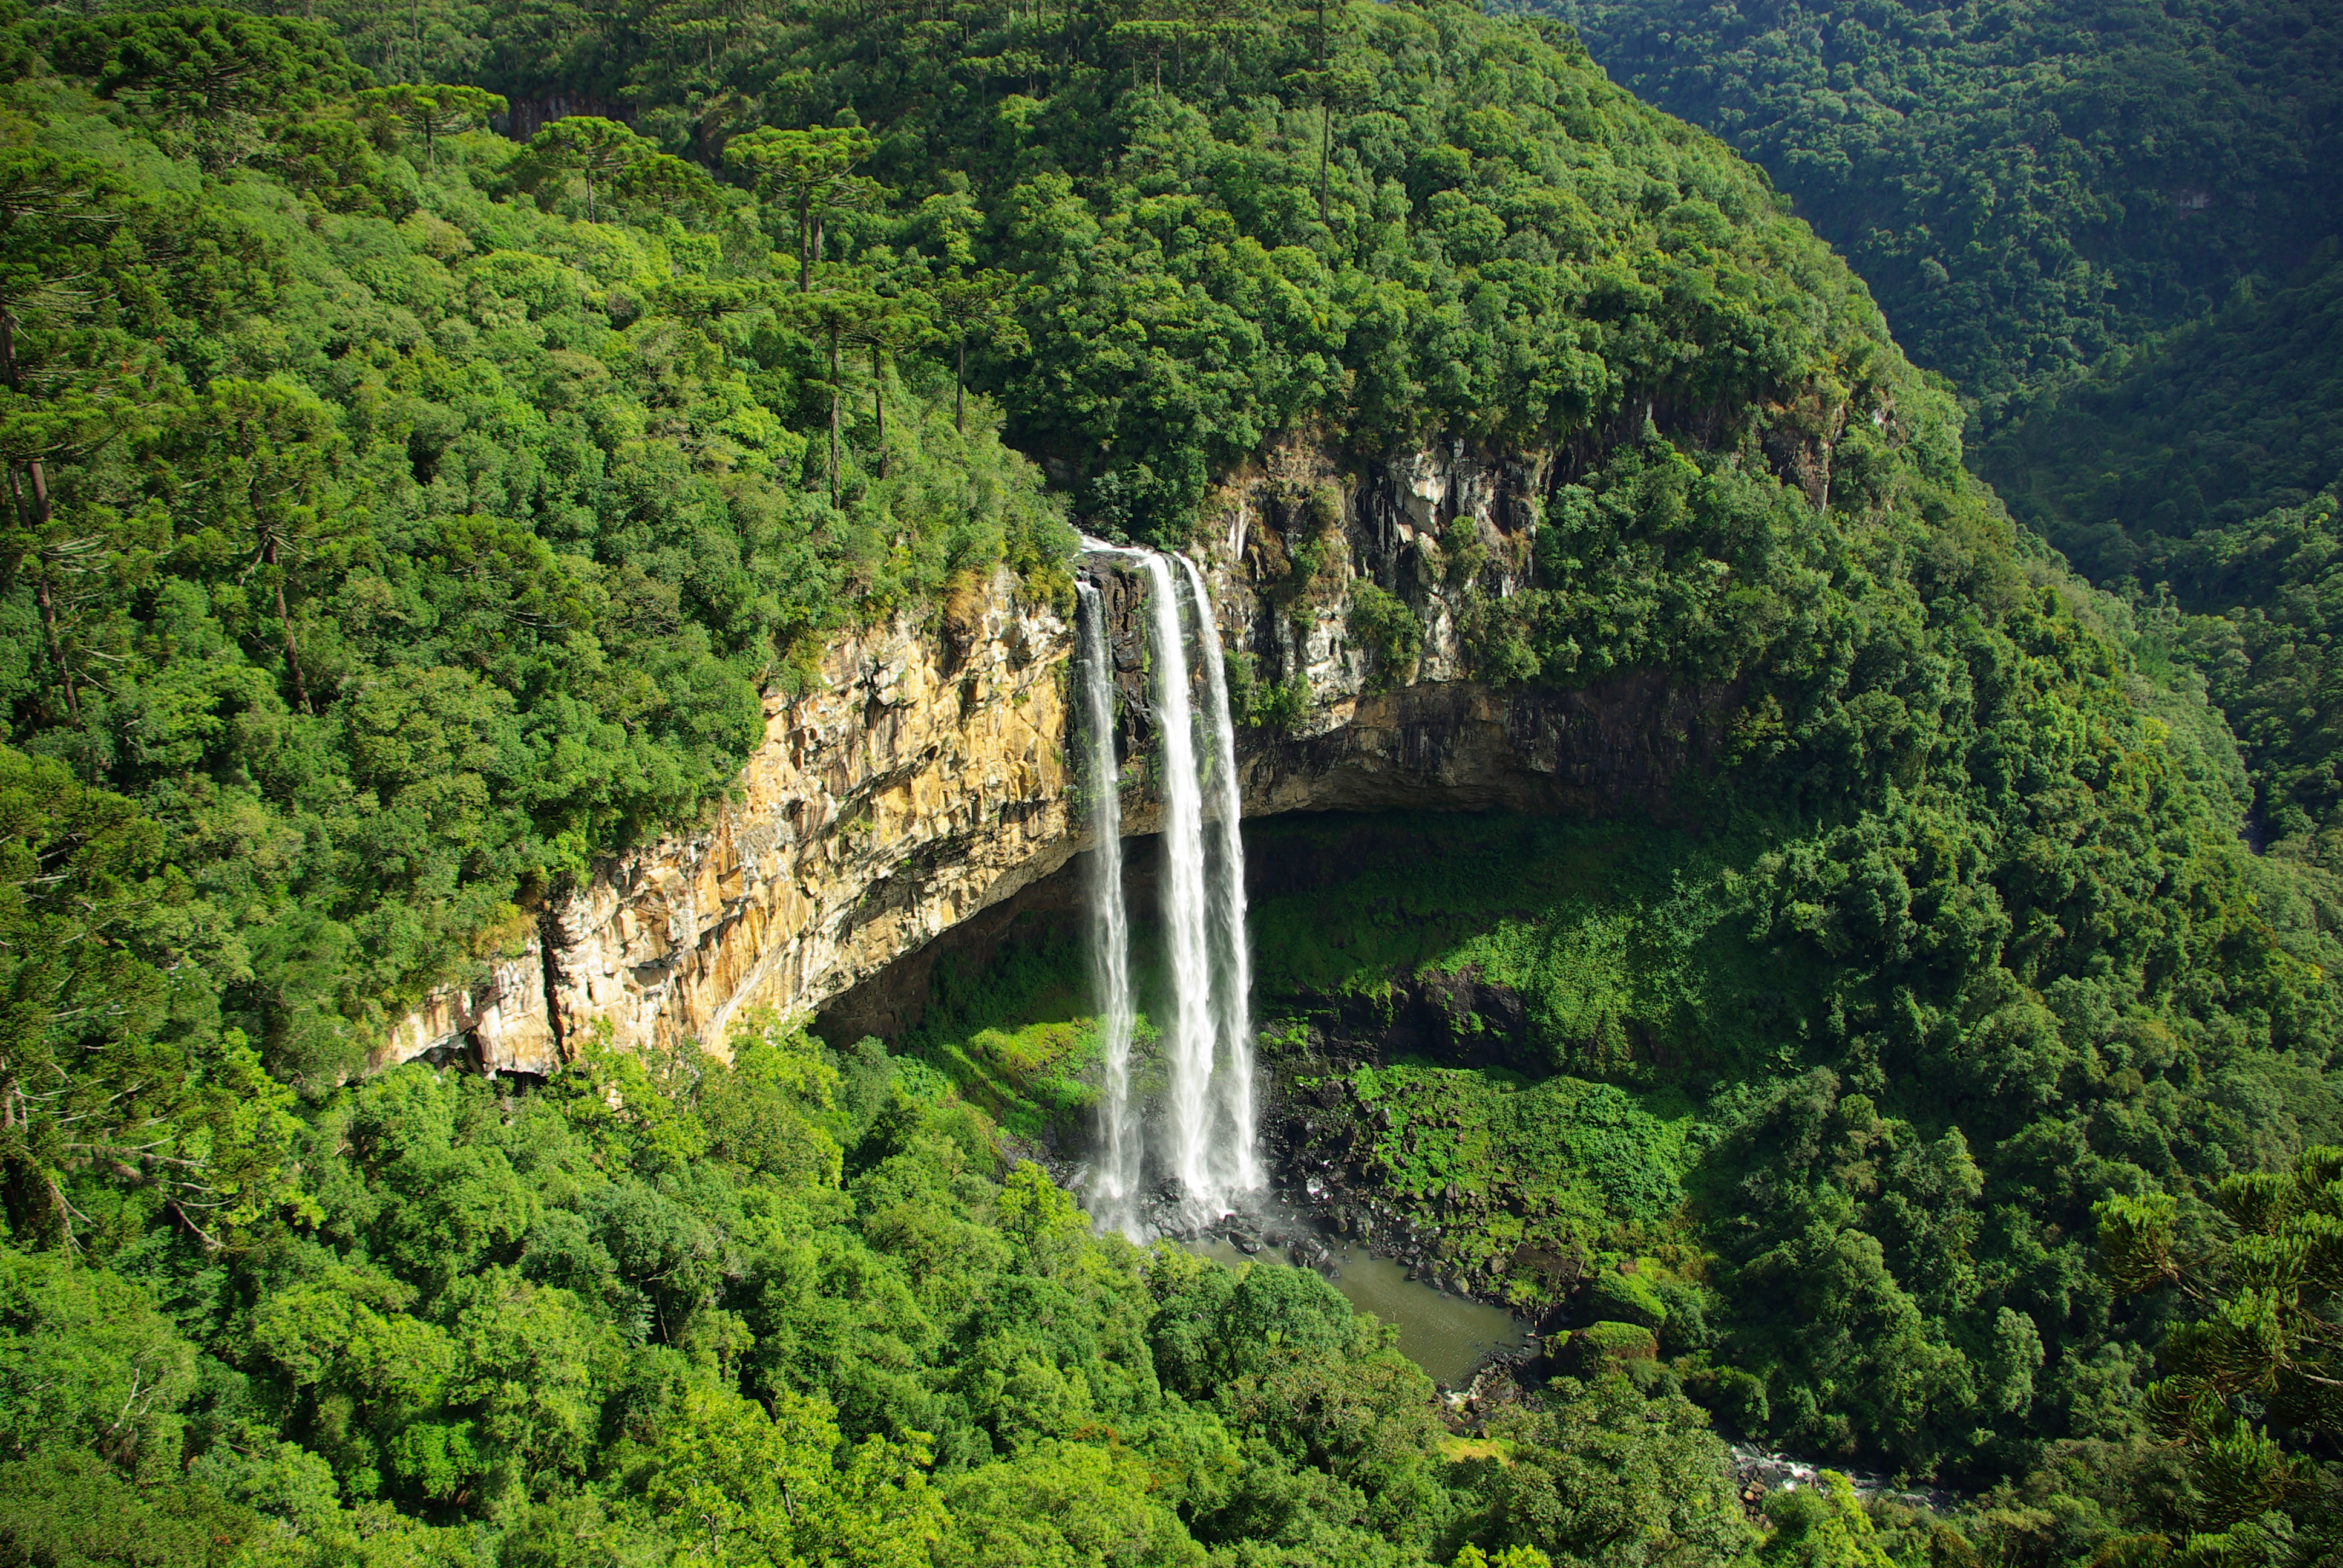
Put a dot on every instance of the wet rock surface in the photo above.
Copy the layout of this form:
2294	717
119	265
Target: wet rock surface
1759	1472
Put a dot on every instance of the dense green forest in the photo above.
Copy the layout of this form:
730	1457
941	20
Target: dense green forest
2215	424
2199	473
2111	226
403	516
2025	185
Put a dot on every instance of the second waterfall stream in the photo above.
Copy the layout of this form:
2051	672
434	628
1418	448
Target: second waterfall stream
1203	1133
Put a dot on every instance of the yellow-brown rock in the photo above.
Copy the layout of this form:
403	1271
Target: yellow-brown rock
922	779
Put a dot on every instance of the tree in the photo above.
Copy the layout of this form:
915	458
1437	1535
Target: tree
58	1505
598	151
834	315
1471	1556
749	1487
1329	87
94	1074
1601	1474
204	62
1040	1216
434	109
1149	38
56	218
269	452
811	172
894	323
1066	1503
2253	1380
1824	1527
214	67
90	1364
975	306
665	183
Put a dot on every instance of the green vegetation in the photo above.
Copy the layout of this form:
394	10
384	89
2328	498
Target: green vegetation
1828	1229
2198	476
2198	433
1606	935
2265	655
2111	226
1375	220
402	518
662	1310
2026	185
2251	1378
1015	1037
399	546
1514	1173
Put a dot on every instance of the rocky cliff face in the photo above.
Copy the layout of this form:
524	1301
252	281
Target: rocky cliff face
924	779
924	782
1296	544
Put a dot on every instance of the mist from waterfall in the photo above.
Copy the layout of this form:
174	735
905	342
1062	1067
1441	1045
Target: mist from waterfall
1207	1121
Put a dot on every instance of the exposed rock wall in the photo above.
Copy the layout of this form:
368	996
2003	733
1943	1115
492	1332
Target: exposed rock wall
924	782
1295	537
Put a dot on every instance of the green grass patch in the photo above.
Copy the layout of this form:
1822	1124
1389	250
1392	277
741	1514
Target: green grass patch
1015	1036
1019	1035
1503	1167
1627	943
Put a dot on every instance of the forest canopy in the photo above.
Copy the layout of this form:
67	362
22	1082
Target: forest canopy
404	517
412	517
2026	185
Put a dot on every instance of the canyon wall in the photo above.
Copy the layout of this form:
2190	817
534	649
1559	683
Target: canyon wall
922	782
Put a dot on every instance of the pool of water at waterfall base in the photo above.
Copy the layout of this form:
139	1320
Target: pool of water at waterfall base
1448	1336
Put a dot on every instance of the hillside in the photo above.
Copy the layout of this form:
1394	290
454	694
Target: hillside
2107	225
2024	185
410	520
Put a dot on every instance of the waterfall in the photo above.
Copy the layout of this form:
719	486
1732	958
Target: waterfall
1186	940
1208	1121
1116	1181
1236	1165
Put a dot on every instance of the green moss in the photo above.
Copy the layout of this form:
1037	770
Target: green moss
1512	1175
1014	1036
1625	942
1627	1299
1606	1344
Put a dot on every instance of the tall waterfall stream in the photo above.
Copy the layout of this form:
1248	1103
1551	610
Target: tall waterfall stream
1116	1171
1193	1168
1207	1144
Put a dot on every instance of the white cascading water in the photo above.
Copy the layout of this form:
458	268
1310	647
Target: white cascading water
1209	1041
1115	1181
1235	1164
1187	936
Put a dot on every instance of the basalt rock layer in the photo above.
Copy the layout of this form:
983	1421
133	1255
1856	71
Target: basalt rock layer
924	782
